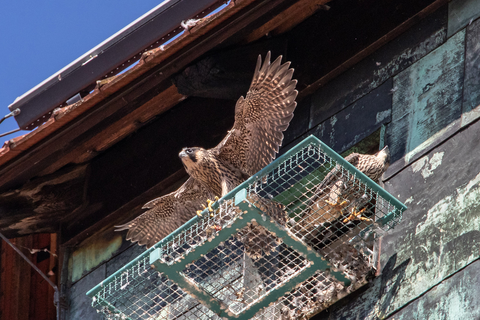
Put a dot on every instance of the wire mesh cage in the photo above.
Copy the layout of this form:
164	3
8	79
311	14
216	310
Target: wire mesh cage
276	247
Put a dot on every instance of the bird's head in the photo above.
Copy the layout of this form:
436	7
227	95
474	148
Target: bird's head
192	157
384	156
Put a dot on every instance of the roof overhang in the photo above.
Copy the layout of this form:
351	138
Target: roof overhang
107	59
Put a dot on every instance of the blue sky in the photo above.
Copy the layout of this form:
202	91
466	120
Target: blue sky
40	37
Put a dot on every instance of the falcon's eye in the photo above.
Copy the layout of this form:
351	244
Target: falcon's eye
188	151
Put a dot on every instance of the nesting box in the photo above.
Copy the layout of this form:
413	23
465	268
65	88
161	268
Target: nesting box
276	247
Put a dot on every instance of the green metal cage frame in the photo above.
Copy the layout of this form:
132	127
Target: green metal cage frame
250	212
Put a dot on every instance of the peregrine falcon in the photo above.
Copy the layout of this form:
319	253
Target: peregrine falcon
252	143
335	194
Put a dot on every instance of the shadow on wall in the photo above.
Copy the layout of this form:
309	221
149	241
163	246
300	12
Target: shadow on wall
391	279
372	301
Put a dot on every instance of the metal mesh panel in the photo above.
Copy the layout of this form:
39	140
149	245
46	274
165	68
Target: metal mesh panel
263	253
141	292
238	275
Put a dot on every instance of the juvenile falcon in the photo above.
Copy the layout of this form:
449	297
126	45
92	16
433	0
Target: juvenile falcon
335	193
252	143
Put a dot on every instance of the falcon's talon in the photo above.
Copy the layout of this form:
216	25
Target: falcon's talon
209	205
356	215
342	204
199	213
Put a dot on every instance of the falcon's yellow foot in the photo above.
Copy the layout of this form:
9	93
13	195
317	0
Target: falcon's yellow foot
356	215
336	204
199	213
209	205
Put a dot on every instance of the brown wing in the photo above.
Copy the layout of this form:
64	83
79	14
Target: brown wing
260	118
166	214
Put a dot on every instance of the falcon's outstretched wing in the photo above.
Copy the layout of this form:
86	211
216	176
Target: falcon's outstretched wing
260	118
166	213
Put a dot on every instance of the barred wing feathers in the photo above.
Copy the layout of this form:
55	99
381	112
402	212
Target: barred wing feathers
166	213
261	118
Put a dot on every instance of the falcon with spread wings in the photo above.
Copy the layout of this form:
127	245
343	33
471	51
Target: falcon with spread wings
252	143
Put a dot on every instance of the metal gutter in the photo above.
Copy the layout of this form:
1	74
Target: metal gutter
148	31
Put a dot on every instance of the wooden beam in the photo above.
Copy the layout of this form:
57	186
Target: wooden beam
118	130
288	19
41	204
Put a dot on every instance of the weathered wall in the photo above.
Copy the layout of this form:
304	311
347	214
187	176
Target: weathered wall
423	87
430	261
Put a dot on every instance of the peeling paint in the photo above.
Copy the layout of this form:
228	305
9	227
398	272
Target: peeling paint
430	252
470	116
333	120
409	200
452	299
382	115
427	167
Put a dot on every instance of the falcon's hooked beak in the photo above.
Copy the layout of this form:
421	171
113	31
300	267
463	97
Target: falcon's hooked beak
188	154
189	157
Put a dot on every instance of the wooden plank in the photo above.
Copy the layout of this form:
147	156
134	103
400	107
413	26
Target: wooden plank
42	203
116	131
149	156
80	306
357	121
428	97
345	84
17	278
41	293
471	88
288	19
181	52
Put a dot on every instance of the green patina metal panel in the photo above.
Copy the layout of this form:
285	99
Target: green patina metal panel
439	234
361	118
428	97
455	298
461	13
471	90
